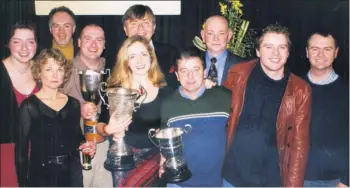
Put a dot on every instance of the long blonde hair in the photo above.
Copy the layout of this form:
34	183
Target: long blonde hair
122	74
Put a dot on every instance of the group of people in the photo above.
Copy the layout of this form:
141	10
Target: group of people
254	123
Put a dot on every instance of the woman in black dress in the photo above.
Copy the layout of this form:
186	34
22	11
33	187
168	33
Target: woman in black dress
137	68
49	126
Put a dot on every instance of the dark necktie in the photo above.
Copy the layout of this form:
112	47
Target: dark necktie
213	72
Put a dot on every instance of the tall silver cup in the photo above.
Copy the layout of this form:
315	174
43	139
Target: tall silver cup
121	102
169	140
89	83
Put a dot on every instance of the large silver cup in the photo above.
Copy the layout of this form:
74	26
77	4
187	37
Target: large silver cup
89	83
169	140
121	102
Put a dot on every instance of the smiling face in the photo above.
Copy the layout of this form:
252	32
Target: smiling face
216	35
52	74
321	52
190	74
143	27
139	59
62	28
22	45
273	52
91	42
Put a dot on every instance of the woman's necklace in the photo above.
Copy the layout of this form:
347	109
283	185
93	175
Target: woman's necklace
18	70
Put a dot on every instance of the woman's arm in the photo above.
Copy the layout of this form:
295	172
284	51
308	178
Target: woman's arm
22	142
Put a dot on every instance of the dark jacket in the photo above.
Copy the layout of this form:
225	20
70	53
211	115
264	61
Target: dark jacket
166	56
292	126
8	108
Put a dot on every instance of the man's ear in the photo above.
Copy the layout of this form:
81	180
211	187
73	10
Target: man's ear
257	52
307	52
125	31
230	33
177	76
336	52
203	35
74	29
79	42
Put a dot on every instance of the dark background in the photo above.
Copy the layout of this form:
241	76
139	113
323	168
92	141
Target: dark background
300	16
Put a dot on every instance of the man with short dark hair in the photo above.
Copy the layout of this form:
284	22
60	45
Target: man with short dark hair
91	43
328	163
193	104
268	130
62	27
140	20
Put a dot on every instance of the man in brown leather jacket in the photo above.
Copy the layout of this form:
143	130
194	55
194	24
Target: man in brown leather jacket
268	130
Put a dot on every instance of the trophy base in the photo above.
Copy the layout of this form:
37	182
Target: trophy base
176	176
120	163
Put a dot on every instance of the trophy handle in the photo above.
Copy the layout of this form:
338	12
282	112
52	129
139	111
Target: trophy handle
106	71
187	128
138	96
100	88
151	133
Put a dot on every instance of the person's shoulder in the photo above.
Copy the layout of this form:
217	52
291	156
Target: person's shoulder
73	101
30	103
299	83
243	65
166	90
219	93
173	97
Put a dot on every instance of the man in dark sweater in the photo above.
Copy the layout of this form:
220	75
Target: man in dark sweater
207	111
268	130
328	163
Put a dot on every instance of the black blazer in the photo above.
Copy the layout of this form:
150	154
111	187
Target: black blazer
166	56
8	108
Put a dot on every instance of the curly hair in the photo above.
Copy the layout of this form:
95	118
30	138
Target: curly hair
122	74
59	58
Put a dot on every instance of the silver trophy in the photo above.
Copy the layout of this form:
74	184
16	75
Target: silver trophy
121	102
171	146
89	82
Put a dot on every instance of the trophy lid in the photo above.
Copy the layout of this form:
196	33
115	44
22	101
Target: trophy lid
91	72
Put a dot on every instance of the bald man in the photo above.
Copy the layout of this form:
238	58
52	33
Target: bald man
216	34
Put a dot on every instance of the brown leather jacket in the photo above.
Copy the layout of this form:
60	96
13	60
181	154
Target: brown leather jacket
292	126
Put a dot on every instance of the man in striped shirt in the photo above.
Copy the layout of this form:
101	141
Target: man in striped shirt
329	128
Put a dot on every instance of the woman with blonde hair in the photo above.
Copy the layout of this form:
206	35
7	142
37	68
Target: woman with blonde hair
50	121
137	68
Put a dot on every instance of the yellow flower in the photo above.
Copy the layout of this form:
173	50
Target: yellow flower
237	6
223	8
203	26
228	45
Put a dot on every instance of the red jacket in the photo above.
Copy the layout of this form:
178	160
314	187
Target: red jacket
292	126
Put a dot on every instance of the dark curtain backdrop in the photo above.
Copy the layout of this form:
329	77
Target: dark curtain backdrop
300	16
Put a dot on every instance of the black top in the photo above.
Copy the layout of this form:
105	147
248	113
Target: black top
329	132
8	107
253	159
50	132
145	118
